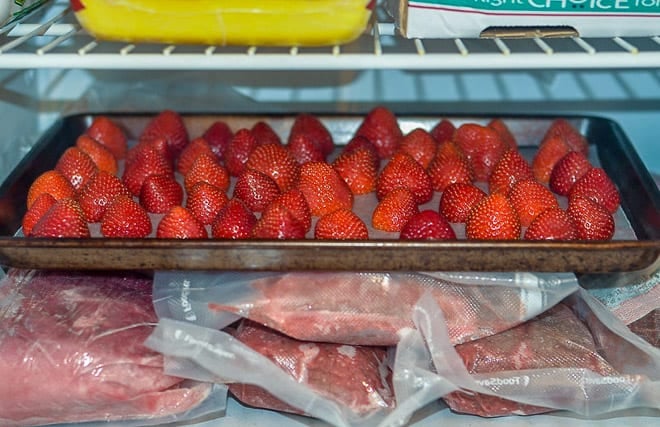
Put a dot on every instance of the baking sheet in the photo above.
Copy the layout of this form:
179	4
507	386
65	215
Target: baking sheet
636	243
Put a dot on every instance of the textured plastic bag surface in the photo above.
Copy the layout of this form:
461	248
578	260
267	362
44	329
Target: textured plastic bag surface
71	350
358	308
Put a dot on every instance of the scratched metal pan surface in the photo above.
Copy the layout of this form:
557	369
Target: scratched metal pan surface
636	243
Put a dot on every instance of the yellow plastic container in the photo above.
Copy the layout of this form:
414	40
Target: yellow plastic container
226	22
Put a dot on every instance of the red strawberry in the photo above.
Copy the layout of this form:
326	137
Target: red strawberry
205	201
358	169
303	149
567	171
403	171
511	168
40	206
529	198
551	224
146	162
420	145
597	186
443	131
264	134
592	221
218	136
458	199
125	218
505	133
314	130
63	219
99	193
549	153
101	156
160	193
190	152
207	169
427	225
180	223
53	183
482	146
294	201
324	190
573	138
278	223
77	167
159	145
239	150
493	218
276	162
341	224
394	210
449	166
168	125
235	221
255	189
381	128
110	135
362	142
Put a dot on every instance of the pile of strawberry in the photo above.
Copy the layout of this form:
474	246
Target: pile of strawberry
248	183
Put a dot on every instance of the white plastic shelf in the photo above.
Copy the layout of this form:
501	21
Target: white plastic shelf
59	42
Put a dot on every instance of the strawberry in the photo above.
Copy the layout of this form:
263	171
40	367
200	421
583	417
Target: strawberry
264	134
427	225
278	223
205	201
160	193
597	186
567	171
511	168
503	130
549	153
101	156
77	167
482	146
362	142
235	221
218	136
458	199
324	190
169	125
294	201
207	168
53	183
180	223
529	198
551	224
443	131
190	153
65	218
358	168
40	206
159	145
449	166
99	193
314	130
276	162
493	218
125	218
303	149
110	135
592	221
238	151
402	171
148	161
255	189
394	210
381	128
341	224
420	145
574	139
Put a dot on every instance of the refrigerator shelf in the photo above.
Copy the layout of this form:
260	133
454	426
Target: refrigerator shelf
58	41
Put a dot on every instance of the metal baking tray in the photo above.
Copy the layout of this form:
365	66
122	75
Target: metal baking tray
636	243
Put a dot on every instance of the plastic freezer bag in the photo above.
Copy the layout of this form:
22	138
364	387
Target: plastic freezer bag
357	308
71	350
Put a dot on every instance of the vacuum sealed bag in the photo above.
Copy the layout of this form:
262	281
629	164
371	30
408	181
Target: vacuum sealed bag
71	350
358	308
